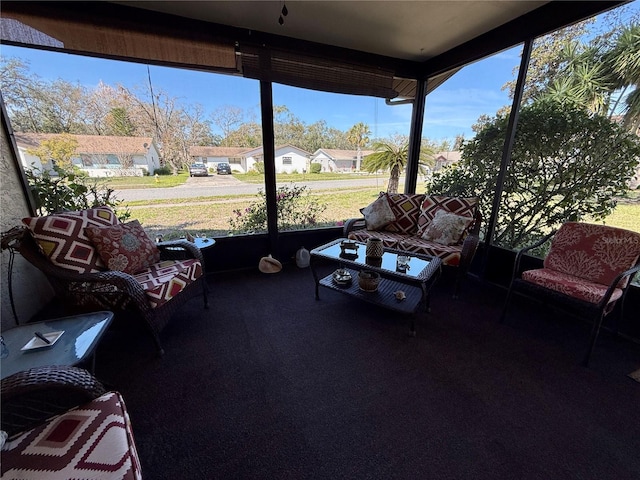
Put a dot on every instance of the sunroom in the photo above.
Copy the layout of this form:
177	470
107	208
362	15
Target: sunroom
396	52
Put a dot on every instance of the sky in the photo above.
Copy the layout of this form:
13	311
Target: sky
450	110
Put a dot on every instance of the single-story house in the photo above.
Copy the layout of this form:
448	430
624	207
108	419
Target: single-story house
98	155
212	156
289	159
334	160
444	159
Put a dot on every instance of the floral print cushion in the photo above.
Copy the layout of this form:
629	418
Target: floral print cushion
465	206
378	214
596	253
446	228
570	285
125	247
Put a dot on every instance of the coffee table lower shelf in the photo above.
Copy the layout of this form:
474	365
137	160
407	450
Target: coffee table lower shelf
383	296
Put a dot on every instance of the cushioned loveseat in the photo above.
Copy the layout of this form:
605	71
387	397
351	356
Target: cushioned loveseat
436	225
95	262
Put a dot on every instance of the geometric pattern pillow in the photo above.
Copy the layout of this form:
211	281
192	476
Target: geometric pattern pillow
125	247
93	441
465	206
406	208
62	237
597	253
164	280
446	228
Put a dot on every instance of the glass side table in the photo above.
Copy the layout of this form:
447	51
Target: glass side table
77	344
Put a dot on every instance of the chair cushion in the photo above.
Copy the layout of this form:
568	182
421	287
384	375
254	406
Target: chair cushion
446	228
93	441
164	280
63	239
406	208
570	285
596	253
464	206
449	254
125	247
378	214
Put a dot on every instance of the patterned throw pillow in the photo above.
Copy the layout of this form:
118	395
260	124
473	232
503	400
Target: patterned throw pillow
465	206
378	214
125	247
406	208
62	237
446	228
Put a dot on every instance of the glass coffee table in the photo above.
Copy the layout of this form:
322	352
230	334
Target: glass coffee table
22	349
415	281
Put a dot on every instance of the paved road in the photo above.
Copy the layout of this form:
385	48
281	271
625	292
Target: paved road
218	185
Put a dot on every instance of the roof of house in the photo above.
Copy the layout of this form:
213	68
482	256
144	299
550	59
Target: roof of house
91	144
448	156
260	150
336	154
197	151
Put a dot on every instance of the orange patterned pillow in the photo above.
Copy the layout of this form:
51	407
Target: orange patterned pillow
125	247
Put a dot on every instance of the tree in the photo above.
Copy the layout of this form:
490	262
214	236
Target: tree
566	164
227	118
358	135
392	155
59	150
624	62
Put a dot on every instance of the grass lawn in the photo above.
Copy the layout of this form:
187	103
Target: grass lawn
161	181
212	214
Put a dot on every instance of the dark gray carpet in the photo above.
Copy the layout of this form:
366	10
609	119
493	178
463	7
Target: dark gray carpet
271	384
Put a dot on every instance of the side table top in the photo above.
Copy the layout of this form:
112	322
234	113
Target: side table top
82	333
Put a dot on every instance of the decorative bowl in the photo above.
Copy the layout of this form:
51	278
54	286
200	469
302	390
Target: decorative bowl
342	277
368	280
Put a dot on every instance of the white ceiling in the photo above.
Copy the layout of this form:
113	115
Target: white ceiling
411	30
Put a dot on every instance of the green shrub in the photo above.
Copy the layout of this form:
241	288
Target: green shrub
316	167
296	210
566	164
258	167
162	171
71	190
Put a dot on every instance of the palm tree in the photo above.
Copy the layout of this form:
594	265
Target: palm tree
358	135
597	74
392	155
624	61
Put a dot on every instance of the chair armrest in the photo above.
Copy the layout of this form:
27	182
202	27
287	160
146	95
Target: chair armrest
32	396
180	250
353	224
522	251
469	248
614	284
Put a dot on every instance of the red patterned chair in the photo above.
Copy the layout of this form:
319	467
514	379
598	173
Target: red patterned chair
61	423
95	262
436	225
588	269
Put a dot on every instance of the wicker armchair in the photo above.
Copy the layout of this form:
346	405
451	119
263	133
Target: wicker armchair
111	290
62	423
587	271
32	396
